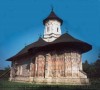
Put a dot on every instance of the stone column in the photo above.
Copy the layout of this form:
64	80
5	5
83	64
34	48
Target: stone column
64	65
56	62
36	67
79	61
56	56
46	66
11	74
11	71
73	60
65	57
31	72
80	57
68	64
74	64
30	68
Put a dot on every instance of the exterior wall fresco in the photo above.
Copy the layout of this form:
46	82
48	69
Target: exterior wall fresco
20	68
40	66
65	64
52	64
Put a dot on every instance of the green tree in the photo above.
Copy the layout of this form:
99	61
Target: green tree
97	68
7	68
89	69
86	66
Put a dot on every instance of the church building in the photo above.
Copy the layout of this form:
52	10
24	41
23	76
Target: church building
55	58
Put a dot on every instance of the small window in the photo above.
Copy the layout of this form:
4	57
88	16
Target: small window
47	29
57	29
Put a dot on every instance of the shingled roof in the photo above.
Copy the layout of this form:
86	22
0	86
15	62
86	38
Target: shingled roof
64	40
52	16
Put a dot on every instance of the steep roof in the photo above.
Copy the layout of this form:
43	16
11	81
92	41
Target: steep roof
64	40
52	16
40	42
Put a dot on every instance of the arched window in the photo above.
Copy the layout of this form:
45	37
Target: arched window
47	29
57	29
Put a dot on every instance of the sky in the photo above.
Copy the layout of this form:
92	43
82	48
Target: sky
21	23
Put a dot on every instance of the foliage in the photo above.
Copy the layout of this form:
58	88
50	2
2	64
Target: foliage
7	68
92	69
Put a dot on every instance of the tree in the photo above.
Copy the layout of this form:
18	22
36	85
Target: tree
97	68
86	66
7	68
89	69
92	69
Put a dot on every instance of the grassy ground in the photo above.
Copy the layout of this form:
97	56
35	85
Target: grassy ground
6	85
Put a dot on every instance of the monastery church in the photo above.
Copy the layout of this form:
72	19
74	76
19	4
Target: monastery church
54	58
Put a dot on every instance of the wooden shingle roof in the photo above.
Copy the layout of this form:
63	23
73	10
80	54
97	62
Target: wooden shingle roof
65	40
52	16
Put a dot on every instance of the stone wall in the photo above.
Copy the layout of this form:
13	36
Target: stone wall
50	67
58	64
20	68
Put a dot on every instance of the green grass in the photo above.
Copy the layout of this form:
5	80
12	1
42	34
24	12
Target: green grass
6	85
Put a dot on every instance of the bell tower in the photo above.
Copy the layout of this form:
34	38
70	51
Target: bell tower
52	27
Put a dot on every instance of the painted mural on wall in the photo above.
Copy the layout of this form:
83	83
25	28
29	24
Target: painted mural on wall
54	58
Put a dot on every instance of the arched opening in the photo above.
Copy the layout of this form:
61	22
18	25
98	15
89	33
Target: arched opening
47	29
57	29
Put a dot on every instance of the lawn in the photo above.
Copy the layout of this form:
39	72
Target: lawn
6	85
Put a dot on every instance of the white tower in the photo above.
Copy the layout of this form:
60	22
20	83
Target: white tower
52	27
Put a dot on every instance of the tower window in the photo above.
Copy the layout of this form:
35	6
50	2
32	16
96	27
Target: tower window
57	29
47	29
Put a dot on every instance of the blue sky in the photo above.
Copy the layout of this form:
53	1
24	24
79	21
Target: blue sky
21	23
